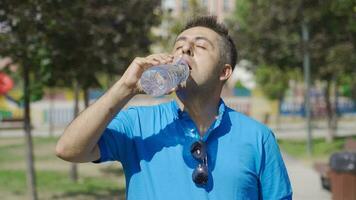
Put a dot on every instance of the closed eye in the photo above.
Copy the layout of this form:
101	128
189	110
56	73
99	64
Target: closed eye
201	47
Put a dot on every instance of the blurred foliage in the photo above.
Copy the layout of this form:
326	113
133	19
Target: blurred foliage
274	81
63	41
268	33
172	25
346	88
239	84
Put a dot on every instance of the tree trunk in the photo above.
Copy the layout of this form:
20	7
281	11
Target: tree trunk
335	116
30	173
74	167
331	109
278	116
86	97
50	112
74	172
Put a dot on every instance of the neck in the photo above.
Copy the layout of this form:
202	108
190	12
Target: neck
203	110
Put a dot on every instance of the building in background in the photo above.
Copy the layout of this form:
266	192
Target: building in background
220	8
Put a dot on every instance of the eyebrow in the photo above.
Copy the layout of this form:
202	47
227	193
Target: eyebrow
183	38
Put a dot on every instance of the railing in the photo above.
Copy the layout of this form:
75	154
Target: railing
63	116
58	116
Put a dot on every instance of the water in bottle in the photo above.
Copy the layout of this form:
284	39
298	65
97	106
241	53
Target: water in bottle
159	80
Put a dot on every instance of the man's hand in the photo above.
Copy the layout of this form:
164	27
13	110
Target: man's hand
132	75
79	141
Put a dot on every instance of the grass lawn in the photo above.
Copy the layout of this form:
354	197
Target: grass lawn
321	149
103	181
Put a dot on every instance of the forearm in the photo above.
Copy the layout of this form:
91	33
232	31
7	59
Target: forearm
79	140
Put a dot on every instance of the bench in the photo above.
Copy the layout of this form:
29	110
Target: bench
324	168
12	123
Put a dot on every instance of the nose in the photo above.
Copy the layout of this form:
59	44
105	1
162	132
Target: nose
187	49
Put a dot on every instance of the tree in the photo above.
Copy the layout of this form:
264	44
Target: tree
60	43
96	33
21	40
171	25
274	82
269	34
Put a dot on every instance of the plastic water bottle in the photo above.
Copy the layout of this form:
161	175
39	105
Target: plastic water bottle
159	80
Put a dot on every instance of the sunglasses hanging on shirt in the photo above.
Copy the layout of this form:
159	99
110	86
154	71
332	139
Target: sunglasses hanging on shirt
200	174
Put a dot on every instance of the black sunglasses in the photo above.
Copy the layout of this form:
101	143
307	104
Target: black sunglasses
200	174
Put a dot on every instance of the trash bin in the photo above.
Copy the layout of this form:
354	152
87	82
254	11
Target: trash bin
343	175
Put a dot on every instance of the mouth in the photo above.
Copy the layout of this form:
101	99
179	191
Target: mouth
186	61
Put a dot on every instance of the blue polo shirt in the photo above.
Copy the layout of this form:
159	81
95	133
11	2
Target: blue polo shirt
153	145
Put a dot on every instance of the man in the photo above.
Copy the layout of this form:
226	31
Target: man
192	148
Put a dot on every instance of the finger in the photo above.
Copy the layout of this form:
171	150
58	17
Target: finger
155	61
166	58
161	58
138	61
144	63
158	56
165	55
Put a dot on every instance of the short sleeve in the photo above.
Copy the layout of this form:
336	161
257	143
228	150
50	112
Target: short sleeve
274	180
116	138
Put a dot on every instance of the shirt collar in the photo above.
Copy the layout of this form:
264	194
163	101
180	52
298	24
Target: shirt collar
184	116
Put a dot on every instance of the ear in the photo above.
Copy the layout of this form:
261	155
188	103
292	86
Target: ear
226	72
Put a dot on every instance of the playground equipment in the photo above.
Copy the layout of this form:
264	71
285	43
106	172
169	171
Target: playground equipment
6	83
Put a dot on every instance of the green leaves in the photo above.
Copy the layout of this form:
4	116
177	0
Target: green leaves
172	25
268	33
64	41
274	81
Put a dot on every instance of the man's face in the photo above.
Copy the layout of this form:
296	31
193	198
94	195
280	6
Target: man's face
200	48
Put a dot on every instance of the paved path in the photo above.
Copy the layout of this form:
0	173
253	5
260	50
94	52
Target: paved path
305	181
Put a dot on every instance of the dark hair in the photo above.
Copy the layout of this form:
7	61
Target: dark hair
228	51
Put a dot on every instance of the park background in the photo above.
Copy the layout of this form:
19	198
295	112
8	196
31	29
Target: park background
57	57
